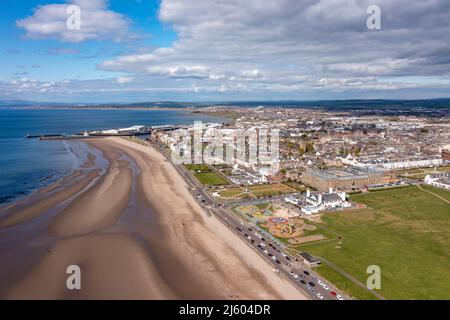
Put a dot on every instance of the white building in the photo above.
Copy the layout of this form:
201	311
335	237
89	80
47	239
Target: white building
131	130
439	180
324	201
292	200
393	163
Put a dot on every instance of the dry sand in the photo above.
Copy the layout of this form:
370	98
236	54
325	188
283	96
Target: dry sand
136	233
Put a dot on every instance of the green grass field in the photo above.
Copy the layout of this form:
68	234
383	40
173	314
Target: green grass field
405	232
256	191
297	186
231	192
210	179
441	192
266	190
197	167
344	284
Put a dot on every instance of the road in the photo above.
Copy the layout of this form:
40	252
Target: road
272	251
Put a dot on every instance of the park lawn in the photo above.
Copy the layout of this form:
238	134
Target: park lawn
266	190
441	192
345	285
405	232
297	186
197	167
321	229
232	192
210	179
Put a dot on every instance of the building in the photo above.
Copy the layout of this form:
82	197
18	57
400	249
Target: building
393	164
439	180
137	129
324	201
309	259
346	178
292	200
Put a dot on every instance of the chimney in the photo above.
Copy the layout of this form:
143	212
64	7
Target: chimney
308	193
330	190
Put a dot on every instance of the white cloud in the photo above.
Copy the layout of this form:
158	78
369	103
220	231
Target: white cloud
266	48
291	45
123	80
251	74
97	22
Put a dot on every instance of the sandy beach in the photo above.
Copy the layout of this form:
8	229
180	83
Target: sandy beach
135	232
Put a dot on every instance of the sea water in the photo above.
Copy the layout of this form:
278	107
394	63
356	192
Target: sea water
29	164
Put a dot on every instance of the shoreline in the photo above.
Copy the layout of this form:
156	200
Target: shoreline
163	243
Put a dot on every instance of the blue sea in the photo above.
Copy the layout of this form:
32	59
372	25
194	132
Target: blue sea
30	164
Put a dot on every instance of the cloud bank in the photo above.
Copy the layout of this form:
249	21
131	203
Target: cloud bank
276	49
97	22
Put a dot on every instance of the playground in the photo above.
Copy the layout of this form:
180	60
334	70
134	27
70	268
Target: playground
279	221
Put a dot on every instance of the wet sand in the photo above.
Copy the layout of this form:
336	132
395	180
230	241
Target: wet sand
136	233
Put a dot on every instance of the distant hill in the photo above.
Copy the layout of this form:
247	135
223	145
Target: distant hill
430	107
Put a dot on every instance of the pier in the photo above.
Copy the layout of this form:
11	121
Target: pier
127	132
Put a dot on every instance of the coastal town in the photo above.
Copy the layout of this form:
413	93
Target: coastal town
329	167
326	163
226	158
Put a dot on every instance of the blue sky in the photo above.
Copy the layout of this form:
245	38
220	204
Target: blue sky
58	60
203	50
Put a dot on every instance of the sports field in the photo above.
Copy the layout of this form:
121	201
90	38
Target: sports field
266	190
204	174
210	179
263	190
405	232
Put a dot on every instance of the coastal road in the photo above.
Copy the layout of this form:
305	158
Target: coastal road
283	263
